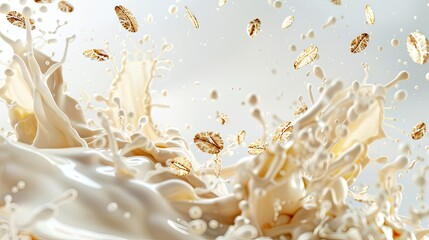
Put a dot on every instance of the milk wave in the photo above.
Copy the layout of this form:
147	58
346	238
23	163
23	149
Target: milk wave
65	178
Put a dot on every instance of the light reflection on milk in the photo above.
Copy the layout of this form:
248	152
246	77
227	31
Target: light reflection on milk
109	180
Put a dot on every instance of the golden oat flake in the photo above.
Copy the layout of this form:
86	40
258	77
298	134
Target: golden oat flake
180	166
254	27
127	19
17	19
222	118
336	2
96	54
257	147
418	47
369	14
419	130
283	132
192	17
302	108
306	57
209	142
359	43
288	22
43	1
240	137
65	6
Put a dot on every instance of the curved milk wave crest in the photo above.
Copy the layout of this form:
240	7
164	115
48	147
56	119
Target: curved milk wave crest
112	182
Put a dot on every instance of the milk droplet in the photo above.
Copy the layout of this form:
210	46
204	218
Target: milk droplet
21	185
214	95
22	2
402	76
331	21
149	18
427	76
195	212
26	12
197	227
213	224
394	42
111	207
43	9
292	48
172	9
310	34
4	8
8	72
164	92
318	72
252	99
277	4
419	181
243	205
400	96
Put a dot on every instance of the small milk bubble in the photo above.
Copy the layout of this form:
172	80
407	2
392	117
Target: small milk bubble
8	72
277	4
172	9
21	185
195	212
400	96
111	207
213	224
394	42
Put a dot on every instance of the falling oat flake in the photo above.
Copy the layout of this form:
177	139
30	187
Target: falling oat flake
336	2
418	47
369	14
17	19
192	17
65	6
254	27
418	131
43	1
96	54
127	19
288	22
240	137
306	57
302	108
257	147
283	132
359	43
180	166
209	142
222	118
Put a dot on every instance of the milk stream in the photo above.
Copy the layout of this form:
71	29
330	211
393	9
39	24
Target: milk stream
64	178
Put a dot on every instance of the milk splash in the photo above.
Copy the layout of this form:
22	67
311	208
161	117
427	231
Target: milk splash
64	178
